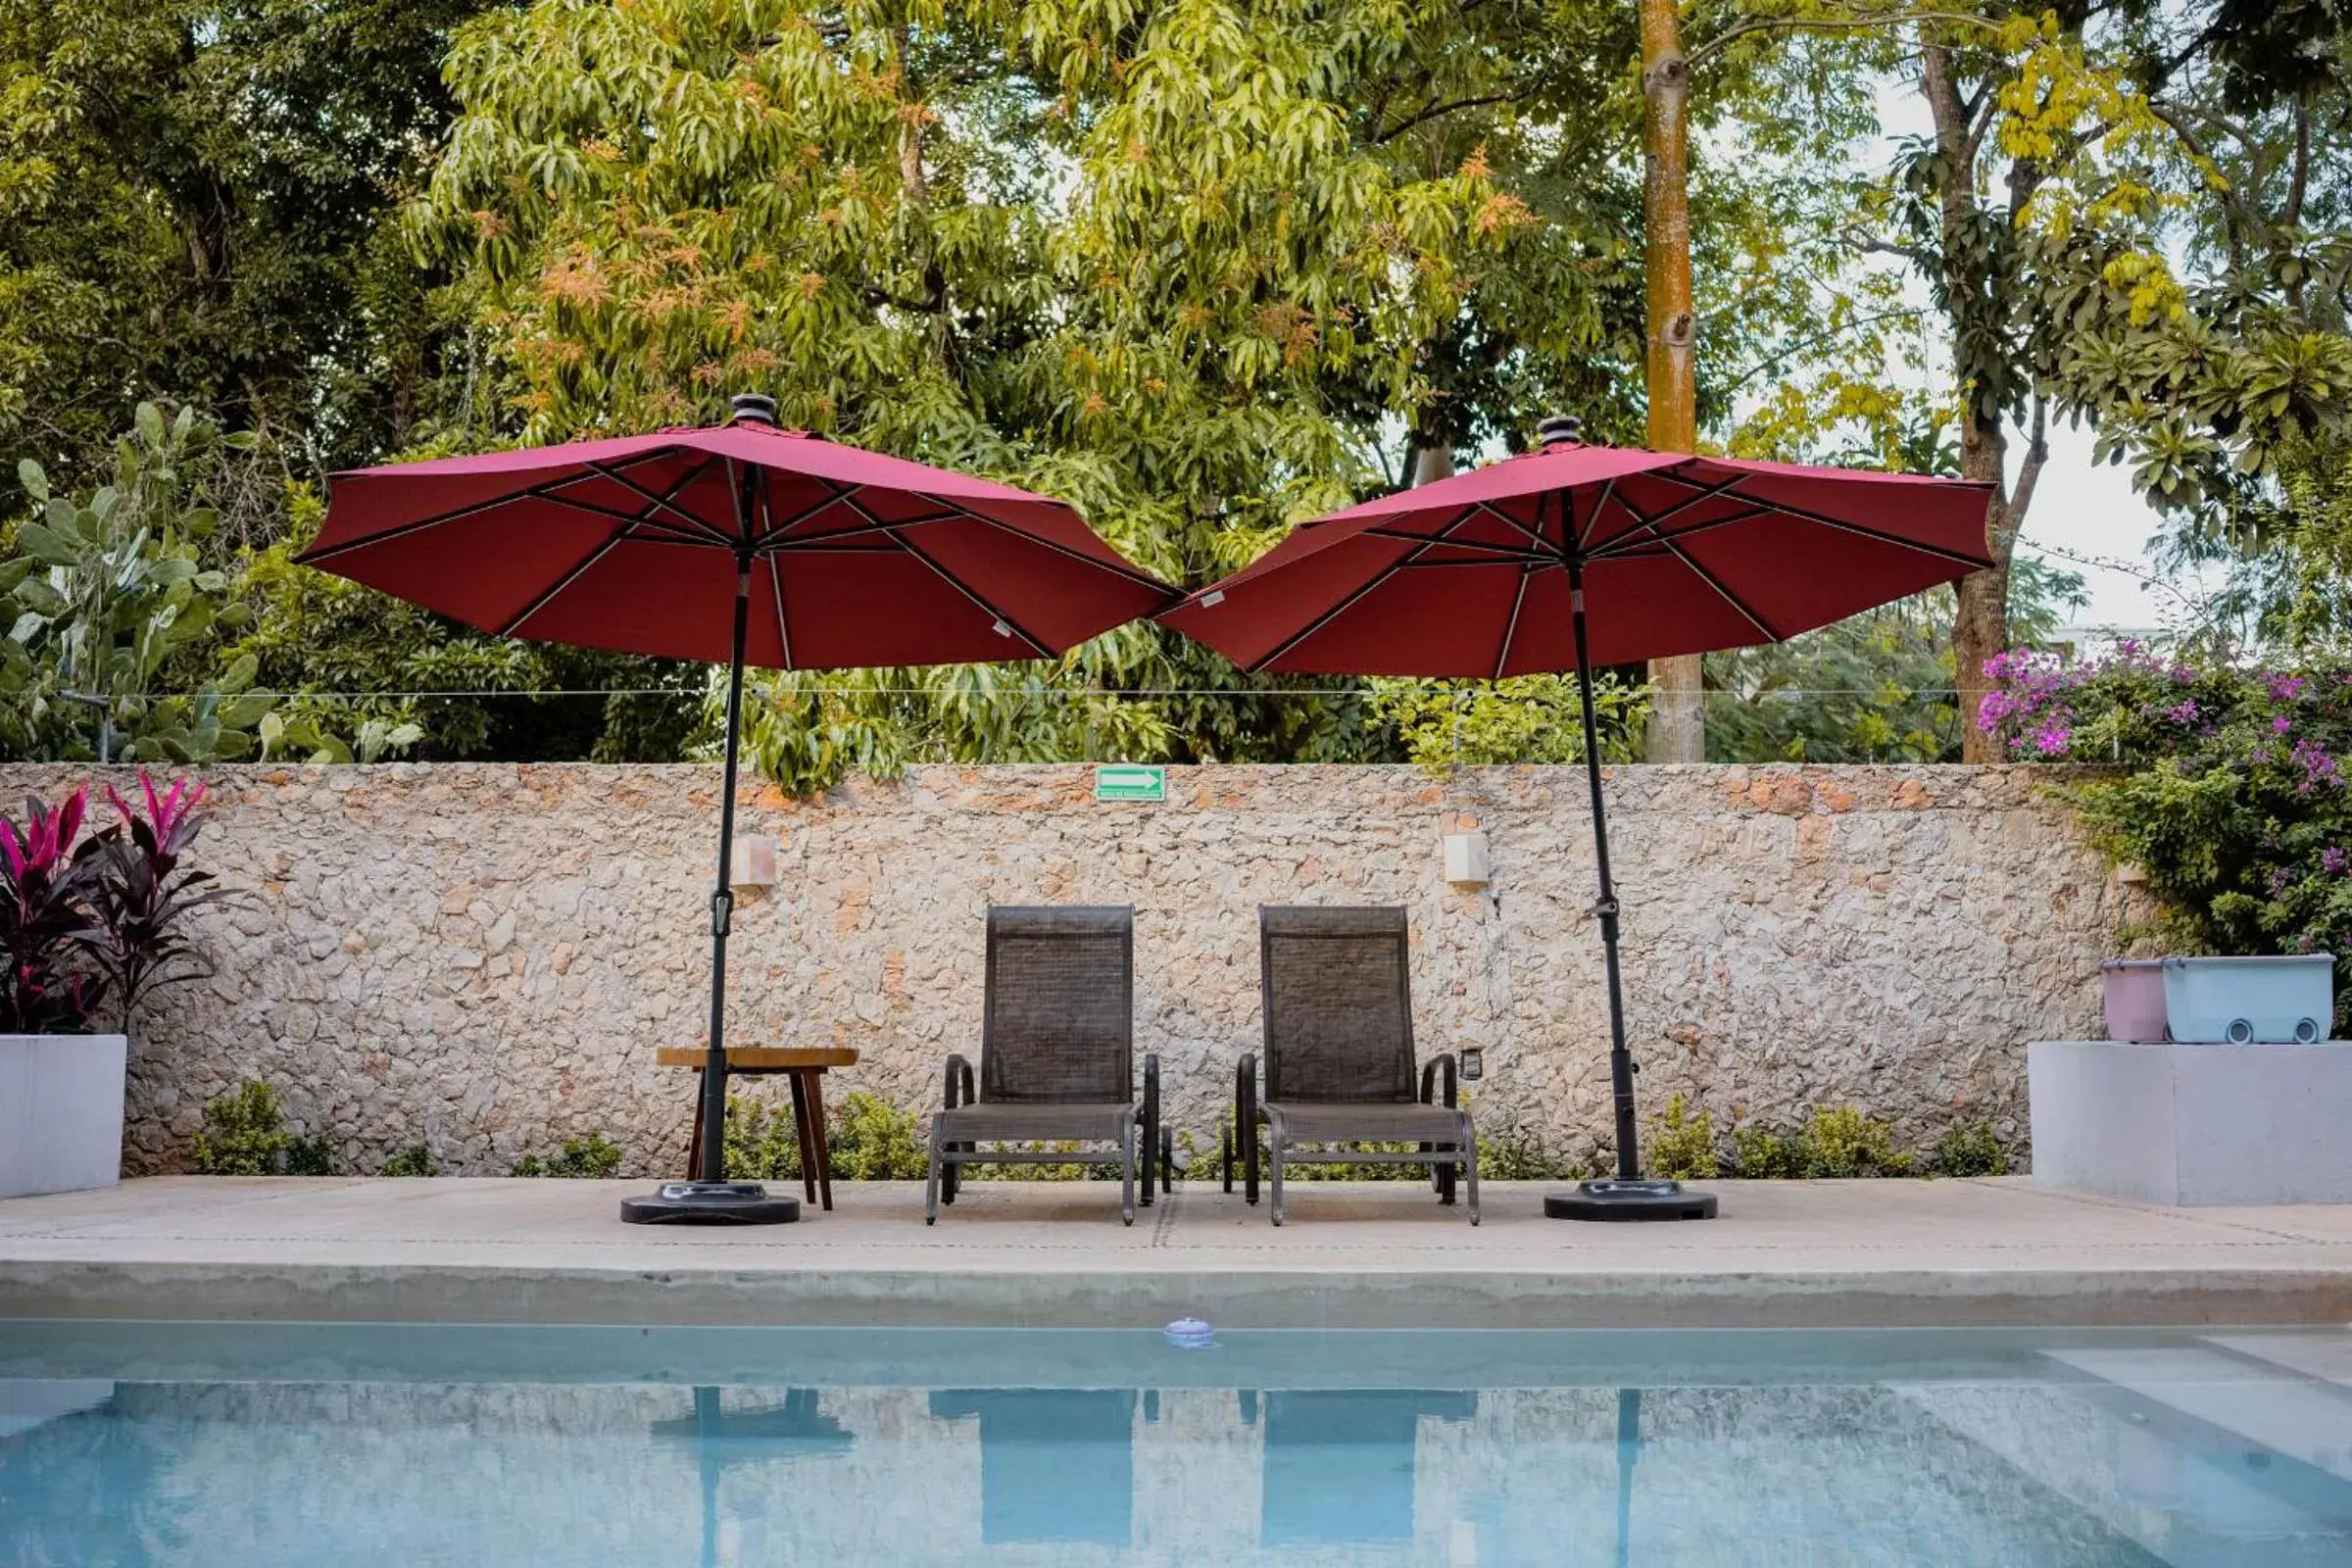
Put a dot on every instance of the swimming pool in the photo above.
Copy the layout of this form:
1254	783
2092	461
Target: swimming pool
278	1445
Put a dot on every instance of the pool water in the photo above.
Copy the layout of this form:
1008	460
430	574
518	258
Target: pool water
261	1446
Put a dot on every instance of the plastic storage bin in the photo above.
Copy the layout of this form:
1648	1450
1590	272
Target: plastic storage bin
2133	990
2262	1000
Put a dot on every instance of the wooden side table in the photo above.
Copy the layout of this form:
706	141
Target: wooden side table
806	1067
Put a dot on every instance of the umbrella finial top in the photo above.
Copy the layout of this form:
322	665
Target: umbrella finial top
1560	430
751	408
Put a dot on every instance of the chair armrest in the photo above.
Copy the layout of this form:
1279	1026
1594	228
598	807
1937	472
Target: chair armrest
1245	1095
960	1077
1451	1089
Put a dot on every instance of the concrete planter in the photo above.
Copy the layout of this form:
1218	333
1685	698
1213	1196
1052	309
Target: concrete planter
61	1113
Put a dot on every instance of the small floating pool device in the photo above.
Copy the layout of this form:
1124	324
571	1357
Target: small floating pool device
1190	1333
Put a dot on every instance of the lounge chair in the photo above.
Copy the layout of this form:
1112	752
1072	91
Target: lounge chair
1340	1066
1057	1055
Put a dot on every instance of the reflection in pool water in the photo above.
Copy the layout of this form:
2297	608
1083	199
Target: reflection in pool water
311	1445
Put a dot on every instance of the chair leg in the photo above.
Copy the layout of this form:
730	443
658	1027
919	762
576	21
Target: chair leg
1149	1154
1470	1165
1127	1173
1167	1161
931	1181
1249	1154
1225	1155
1443	1170
1281	1147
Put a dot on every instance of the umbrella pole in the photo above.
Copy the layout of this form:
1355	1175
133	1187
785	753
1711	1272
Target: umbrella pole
723	903
1621	1060
712	1199
1628	1196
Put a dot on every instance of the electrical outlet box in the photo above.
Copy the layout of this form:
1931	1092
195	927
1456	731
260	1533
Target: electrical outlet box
754	862
1466	865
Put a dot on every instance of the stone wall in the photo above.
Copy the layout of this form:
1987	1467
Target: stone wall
485	956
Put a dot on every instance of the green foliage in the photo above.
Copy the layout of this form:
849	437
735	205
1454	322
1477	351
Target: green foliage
1681	1145
866	1139
1514	1152
244	1134
111	609
1970	1151
1526	719
594	1157
1835	1143
1758	1154
1843	1143
2225	785
197	197
416	1159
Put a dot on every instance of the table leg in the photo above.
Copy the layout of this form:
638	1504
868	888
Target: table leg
817	1117
694	1147
813	1149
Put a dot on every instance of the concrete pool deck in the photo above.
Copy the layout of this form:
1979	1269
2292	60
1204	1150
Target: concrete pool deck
1784	1254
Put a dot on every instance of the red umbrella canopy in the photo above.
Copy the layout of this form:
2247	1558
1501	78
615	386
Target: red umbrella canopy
856	558
1470	576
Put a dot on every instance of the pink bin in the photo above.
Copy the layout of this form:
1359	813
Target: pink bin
2134	991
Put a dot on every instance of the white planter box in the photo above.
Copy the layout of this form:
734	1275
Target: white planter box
61	1113
2193	1123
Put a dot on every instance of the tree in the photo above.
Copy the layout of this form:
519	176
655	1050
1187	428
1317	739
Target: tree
1678	717
193	203
1177	269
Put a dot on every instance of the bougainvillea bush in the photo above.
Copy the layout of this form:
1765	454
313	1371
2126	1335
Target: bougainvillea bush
89	925
2225	785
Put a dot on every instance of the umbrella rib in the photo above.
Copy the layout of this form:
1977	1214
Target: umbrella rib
539	602
1136	576
1510	629
1601	504
775	581
1648	539
1729	596
665	500
775	538
1651	520
1334	611
1861	530
947	576
544	491
1500	553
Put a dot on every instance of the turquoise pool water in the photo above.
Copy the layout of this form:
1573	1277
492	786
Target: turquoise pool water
282	1445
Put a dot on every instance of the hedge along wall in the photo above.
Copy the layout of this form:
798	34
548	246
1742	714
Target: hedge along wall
484	956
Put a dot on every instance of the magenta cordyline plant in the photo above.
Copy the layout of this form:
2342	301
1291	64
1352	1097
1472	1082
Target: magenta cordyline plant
99	921
46	883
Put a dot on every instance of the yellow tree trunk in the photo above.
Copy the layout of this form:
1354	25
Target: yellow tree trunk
1678	719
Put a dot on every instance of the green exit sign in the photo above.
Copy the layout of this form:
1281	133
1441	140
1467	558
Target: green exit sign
1131	781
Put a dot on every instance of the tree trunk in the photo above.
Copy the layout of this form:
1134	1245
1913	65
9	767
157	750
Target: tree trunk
1678	731
1981	620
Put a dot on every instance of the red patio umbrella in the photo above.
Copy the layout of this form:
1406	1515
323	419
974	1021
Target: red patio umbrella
1573	556
743	543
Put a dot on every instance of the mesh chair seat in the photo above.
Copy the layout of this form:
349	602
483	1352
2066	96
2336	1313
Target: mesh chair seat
1056	1053
1016	1122
1339	1068
1364	1123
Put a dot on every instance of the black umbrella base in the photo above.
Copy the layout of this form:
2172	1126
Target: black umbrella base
710	1203
1629	1199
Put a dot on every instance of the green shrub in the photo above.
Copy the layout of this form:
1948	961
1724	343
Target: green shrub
866	1139
594	1157
1681	1145
1845	1143
1514	1152
761	1147
1758	1154
871	1139
244	1134
414	1160
1968	1152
